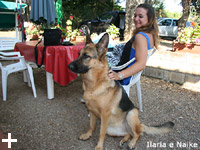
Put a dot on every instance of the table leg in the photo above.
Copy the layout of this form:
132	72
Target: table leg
50	85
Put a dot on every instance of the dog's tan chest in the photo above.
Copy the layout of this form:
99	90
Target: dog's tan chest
92	106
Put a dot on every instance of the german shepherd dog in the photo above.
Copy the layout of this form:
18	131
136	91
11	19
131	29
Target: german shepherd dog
106	98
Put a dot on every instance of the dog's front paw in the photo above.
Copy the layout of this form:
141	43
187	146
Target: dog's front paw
98	148
131	146
122	144
85	136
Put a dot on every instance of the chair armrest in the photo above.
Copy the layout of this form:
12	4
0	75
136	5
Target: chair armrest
10	53
123	66
11	58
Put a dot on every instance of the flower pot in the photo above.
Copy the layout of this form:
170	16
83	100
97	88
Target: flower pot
186	46
34	37
80	38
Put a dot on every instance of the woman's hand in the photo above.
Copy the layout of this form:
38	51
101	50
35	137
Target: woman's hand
114	76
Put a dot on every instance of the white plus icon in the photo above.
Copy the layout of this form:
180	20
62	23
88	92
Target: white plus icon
9	140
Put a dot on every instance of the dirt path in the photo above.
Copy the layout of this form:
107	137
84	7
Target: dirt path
42	124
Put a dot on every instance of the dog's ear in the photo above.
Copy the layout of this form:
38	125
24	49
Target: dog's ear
88	39
102	45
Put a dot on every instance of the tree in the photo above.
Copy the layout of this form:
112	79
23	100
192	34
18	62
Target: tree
195	11
150	1
85	9
186	13
169	14
130	9
196	4
159	8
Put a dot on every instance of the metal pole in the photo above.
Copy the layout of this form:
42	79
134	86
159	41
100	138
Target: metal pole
16	23
21	21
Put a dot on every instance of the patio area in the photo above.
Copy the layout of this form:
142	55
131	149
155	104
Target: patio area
56	124
43	124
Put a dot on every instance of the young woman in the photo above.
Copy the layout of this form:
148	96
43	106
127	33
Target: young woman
145	37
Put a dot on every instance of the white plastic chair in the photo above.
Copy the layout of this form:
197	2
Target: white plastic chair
135	79
19	65
8	43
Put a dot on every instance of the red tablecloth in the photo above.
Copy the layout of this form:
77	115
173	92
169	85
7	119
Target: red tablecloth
56	60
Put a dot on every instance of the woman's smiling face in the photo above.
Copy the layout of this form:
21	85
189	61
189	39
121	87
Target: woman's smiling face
140	17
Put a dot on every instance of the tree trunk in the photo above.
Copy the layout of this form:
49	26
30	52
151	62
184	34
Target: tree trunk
151	2
130	9
27	13
186	12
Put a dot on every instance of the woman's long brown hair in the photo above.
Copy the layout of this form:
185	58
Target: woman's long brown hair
152	26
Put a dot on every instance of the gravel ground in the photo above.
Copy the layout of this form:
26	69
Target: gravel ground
42	124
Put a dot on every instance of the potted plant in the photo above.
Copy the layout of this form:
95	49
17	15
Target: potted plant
63	30
68	35
188	38
113	31
73	35
77	35
33	31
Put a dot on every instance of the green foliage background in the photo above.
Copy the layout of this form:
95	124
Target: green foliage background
86	9
90	9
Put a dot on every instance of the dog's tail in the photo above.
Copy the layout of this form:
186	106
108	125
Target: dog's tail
160	129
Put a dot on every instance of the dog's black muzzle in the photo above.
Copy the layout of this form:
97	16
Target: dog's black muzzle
71	66
78	67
